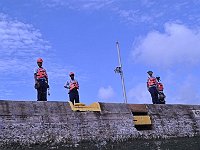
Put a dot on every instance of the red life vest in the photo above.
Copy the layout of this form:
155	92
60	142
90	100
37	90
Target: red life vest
151	81
41	73
73	85
160	86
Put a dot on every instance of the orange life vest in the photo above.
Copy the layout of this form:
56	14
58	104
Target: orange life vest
41	73
160	86
151	81
73	85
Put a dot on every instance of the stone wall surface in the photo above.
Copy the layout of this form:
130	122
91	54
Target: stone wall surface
28	122
174	121
40	122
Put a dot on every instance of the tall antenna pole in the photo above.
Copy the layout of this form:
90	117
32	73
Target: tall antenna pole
120	71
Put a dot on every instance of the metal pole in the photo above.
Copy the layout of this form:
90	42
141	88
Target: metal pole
119	70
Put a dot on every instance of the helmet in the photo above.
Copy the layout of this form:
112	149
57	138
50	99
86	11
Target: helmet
158	78
71	73
150	72
39	60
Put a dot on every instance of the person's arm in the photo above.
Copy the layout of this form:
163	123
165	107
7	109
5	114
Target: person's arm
35	78
147	84
46	76
66	85
77	84
156	84
47	79
35	75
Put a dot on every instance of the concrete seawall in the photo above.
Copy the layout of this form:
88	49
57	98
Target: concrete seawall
27	123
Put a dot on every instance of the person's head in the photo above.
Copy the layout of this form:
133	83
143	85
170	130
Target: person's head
150	73
71	74
158	79
39	62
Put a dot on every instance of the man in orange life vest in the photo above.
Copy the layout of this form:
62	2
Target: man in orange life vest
160	88
73	87
152	87
41	81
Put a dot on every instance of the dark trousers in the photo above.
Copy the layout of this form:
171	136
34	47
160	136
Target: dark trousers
42	90
154	94
74	96
161	97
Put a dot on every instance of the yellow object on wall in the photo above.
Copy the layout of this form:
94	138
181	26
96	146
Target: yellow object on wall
82	107
142	120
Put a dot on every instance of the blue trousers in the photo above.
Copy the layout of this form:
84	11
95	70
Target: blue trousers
74	96
42	90
154	94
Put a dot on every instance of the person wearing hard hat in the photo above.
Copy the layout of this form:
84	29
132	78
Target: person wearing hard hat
73	87
152	87
41	81
160	88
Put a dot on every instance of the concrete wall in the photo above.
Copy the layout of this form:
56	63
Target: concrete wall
174	121
54	123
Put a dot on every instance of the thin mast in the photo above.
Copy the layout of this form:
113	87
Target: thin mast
120	71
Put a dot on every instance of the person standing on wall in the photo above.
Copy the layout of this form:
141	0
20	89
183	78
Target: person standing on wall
160	88
41	81
152	87
73	87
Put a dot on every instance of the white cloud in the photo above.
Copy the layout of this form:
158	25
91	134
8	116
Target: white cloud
106	93
182	89
20	45
18	35
78	4
21	42
149	12
139	95
155	14
95	4
177	45
175	54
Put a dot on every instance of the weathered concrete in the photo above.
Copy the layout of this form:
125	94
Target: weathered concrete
174	121
55	123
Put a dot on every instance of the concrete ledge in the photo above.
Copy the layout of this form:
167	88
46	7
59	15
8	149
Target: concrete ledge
28	122
41	122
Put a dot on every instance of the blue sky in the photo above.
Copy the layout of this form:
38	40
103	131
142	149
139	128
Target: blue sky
80	36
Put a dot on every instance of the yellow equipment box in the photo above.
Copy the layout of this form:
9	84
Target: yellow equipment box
82	107
142	120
